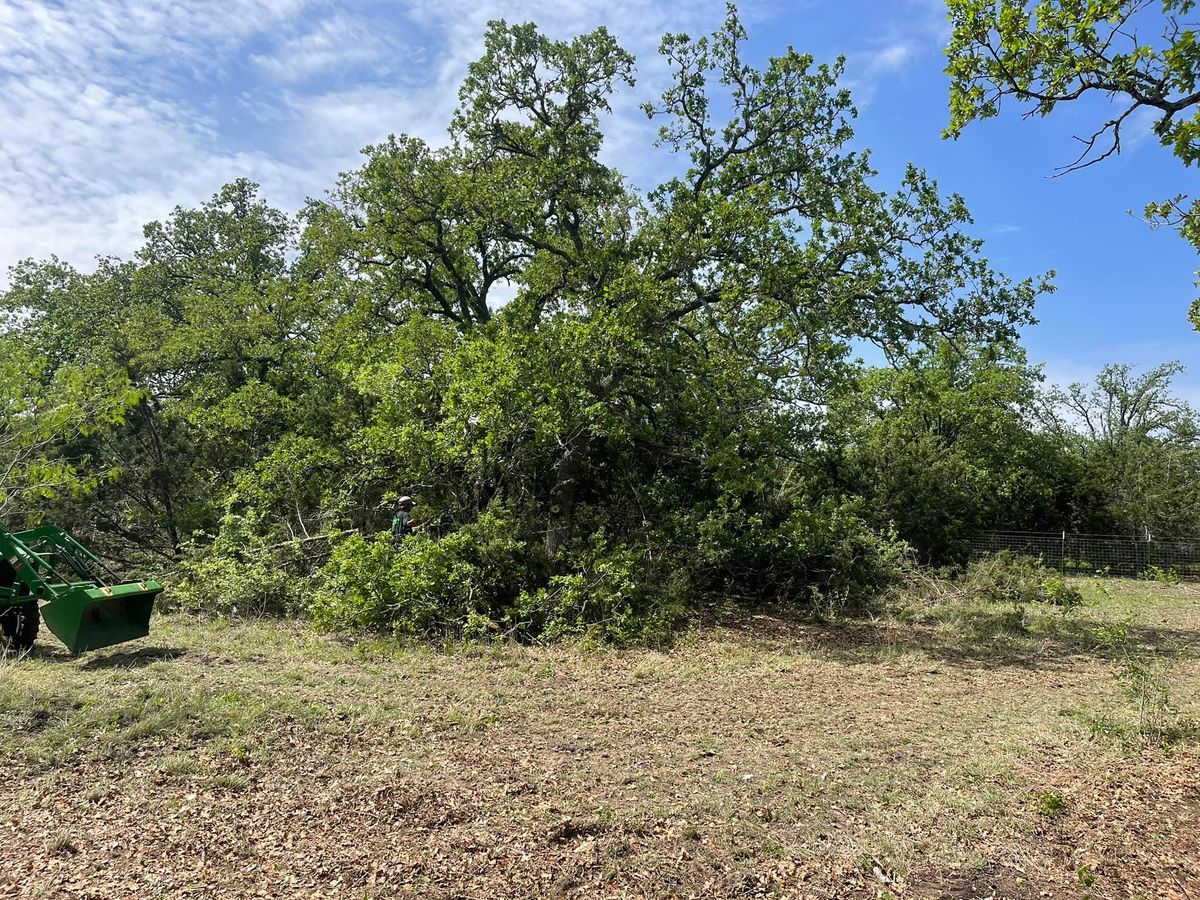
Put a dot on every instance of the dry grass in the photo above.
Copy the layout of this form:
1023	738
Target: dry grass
948	750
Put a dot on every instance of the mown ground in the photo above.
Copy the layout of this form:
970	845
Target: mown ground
951	750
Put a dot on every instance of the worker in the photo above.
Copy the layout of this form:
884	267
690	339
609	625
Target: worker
402	522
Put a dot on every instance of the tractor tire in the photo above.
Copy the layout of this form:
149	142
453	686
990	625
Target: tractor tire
19	626
18	621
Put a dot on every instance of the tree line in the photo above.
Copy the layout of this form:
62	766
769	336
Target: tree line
612	406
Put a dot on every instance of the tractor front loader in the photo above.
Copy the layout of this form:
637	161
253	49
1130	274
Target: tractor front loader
45	573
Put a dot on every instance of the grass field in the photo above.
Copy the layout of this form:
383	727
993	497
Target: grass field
948	749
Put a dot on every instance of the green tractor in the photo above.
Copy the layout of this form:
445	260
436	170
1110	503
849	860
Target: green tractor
47	574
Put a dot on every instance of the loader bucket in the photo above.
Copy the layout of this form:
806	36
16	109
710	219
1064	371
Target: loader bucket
86	617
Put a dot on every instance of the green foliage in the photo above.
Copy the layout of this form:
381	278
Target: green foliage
613	407
957	440
483	579
1145	680
1057	51
238	573
644	382
1136	449
44	414
466	581
1050	804
1008	578
1060	593
618	592
942	448
818	552
203	325
1166	577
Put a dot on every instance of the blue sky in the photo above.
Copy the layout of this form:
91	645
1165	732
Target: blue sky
114	111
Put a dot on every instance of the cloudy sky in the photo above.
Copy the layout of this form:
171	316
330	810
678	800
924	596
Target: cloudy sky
114	111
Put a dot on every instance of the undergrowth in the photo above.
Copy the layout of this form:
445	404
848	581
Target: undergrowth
1008	577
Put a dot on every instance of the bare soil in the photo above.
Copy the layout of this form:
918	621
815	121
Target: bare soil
948	750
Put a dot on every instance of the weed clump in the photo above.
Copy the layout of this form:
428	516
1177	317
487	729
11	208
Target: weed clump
1168	577
1145	679
1050	804
1009	578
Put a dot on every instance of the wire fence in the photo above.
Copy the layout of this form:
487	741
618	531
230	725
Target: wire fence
1097	554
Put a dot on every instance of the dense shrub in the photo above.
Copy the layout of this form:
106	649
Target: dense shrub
480	580
821	552
484	578
239	573
465	581
620	592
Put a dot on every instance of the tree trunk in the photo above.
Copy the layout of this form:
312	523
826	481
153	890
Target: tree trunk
566	485
570	465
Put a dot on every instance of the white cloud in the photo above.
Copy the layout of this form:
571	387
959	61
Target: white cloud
100	135
115	111
337	43
891	57
328	130
915	28
868	69
1138	129
88	36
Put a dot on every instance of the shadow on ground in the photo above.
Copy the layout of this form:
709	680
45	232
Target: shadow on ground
1003	636
134	659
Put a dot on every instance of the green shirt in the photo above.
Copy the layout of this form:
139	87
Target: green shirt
401	523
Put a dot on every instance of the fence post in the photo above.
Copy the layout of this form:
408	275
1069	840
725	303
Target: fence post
1062	556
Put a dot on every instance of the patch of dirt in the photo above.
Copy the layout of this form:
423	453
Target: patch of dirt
1130	828
994	882
795	762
